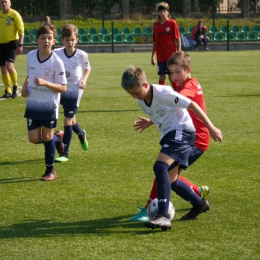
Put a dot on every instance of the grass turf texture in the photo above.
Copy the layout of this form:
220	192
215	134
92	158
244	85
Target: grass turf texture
84	214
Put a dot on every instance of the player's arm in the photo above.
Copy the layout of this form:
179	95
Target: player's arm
83	82
142	123
55	87
25	91
178	43
153	52
215	133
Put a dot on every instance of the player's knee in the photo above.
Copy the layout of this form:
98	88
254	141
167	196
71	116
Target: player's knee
160	167
34	140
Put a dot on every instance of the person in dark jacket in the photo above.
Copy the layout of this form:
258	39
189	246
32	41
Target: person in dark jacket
199	34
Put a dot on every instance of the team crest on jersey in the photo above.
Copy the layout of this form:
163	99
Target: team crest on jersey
161	112
167	29
47	71
75	65
8	21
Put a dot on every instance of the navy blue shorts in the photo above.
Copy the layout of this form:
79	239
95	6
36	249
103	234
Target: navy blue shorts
178	145
69	111
194	156
34	124
7	52
162	68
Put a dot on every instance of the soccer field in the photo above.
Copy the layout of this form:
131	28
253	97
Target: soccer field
84	213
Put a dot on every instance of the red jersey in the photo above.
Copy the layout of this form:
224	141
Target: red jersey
164	36
192	90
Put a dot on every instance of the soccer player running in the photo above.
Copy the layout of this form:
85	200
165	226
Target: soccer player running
11	44
42	87
166	40
167	109
75	61
191	89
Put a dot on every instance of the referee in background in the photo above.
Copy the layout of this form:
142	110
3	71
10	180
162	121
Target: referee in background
11	44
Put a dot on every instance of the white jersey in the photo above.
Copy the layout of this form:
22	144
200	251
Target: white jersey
74	66
42	103
168	110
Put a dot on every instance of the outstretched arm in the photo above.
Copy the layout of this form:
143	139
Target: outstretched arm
142	124
215	133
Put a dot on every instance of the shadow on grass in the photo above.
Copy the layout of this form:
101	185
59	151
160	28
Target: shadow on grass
48	228
21	162
105	111
17	180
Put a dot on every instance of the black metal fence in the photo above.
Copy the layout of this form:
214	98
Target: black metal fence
94	7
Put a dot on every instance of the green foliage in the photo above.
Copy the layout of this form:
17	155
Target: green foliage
84	214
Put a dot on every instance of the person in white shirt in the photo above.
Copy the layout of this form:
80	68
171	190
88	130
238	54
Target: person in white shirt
75	62
167	110
42	87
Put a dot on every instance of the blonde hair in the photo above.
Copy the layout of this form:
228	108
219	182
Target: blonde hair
164	5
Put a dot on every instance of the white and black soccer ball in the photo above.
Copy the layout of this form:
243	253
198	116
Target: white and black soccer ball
152	209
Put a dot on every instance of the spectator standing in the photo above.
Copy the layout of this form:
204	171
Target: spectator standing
47	20
199	35
11	44
166	40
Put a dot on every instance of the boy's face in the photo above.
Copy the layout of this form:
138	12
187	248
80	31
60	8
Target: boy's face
178	74
139	92
70	42
45	41
163	14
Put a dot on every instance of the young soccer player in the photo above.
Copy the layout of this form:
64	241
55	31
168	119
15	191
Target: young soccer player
166	40
167	110
189	88
42	87
75	61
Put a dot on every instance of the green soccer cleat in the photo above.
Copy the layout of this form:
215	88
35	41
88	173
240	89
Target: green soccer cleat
204	191
141	216
62	158
83	141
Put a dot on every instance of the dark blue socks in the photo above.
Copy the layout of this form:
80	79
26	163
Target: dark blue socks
163	186
67	138
49	154
185	192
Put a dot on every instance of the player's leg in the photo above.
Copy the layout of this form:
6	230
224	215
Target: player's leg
6	81
161	67
162	218
81	133
9	64
69	114
49	145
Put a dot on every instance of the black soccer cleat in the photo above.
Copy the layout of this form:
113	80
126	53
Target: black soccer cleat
196	210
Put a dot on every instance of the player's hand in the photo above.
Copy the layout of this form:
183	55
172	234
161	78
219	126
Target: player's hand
19	50
39	82
216	135
142	124
82	85
25	91
152	61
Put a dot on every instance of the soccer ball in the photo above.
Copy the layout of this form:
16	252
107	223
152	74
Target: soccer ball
152	209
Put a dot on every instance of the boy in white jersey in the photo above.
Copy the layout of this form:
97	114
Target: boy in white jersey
168	111
75	62
42	87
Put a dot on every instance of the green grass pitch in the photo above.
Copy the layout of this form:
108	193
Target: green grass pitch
84	214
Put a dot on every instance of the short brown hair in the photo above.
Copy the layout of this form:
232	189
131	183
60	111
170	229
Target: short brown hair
180	58
48	28
68	29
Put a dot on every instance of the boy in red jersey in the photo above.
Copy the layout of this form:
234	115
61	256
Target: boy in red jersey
189	88
166	40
